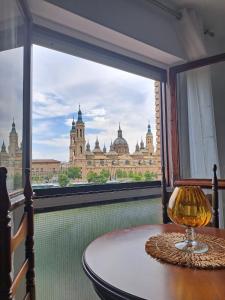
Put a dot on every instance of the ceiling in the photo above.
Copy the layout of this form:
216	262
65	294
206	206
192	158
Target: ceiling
76	17
211	11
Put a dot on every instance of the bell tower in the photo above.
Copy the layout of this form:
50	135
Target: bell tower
13	141
149	141
77	139
72	141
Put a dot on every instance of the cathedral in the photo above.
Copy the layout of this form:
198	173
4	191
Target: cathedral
12	159
144	159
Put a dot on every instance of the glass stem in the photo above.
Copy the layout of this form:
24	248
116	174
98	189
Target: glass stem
190	236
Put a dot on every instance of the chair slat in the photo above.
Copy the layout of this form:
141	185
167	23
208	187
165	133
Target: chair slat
27	297
5	239
29	244
21	274
21	233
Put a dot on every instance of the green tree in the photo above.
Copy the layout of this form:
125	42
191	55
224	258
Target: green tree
124	174
17	181
91	176
105	173
102	177
149	176
131	174
63	180
137	177
74	172
119	173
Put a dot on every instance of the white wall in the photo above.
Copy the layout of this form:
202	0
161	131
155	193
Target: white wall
137	19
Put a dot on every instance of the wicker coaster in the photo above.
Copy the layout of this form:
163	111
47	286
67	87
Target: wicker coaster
162	247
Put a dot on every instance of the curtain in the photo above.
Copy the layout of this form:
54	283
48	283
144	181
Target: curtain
196	114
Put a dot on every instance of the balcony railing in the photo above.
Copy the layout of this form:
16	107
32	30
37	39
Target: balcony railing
65	223
61	237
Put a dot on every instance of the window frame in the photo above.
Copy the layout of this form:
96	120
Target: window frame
35	34
174	138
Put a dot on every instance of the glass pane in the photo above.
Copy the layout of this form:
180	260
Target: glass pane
201	121
92	123
11	92
62	236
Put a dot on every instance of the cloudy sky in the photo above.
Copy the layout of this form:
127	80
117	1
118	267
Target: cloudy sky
106	95
61	82
11	92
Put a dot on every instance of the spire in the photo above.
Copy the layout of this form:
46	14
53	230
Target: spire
111	147
13	126
142	146
97	144
79	119
3	147
119	132
149	129
104	149
137	147
88	149
73	124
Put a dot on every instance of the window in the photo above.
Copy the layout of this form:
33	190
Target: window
11	92
112	127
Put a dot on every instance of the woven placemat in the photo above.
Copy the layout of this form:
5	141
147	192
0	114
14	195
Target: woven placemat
162	247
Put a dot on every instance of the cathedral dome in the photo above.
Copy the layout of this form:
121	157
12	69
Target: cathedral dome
120	144
120	141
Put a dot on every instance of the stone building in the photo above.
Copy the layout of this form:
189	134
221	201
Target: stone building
45	167
144	159
12	159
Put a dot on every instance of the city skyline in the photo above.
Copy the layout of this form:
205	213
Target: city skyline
107	97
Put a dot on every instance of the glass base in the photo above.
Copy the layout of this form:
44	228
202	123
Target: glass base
192	246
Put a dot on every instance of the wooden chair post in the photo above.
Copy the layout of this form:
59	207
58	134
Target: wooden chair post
5	239
165	197
215	199
29	243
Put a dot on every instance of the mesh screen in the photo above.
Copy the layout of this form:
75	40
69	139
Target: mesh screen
61	237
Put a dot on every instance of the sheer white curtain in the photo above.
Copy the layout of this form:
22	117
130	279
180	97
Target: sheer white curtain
200	121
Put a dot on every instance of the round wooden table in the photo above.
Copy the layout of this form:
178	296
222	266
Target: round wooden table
119	268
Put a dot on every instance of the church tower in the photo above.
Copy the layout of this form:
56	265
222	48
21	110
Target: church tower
72	141
13	141
77	139
149	141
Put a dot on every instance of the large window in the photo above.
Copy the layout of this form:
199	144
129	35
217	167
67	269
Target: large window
11	92
92	123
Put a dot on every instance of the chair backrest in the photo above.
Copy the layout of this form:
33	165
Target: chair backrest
213	184
9	243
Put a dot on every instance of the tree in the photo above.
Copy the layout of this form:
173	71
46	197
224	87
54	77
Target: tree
119	173
149	176
124	174
17	181
102	177
74	172
63	180
137	177
105	173
131	174
91	176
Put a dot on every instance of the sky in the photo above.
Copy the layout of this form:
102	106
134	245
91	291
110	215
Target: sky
107	97
11	92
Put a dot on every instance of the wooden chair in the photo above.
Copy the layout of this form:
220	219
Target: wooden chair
9	243
213	184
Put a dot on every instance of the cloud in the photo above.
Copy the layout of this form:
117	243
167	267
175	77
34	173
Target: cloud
11	91
107	96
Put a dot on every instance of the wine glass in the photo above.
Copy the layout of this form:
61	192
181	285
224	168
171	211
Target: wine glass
189	206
